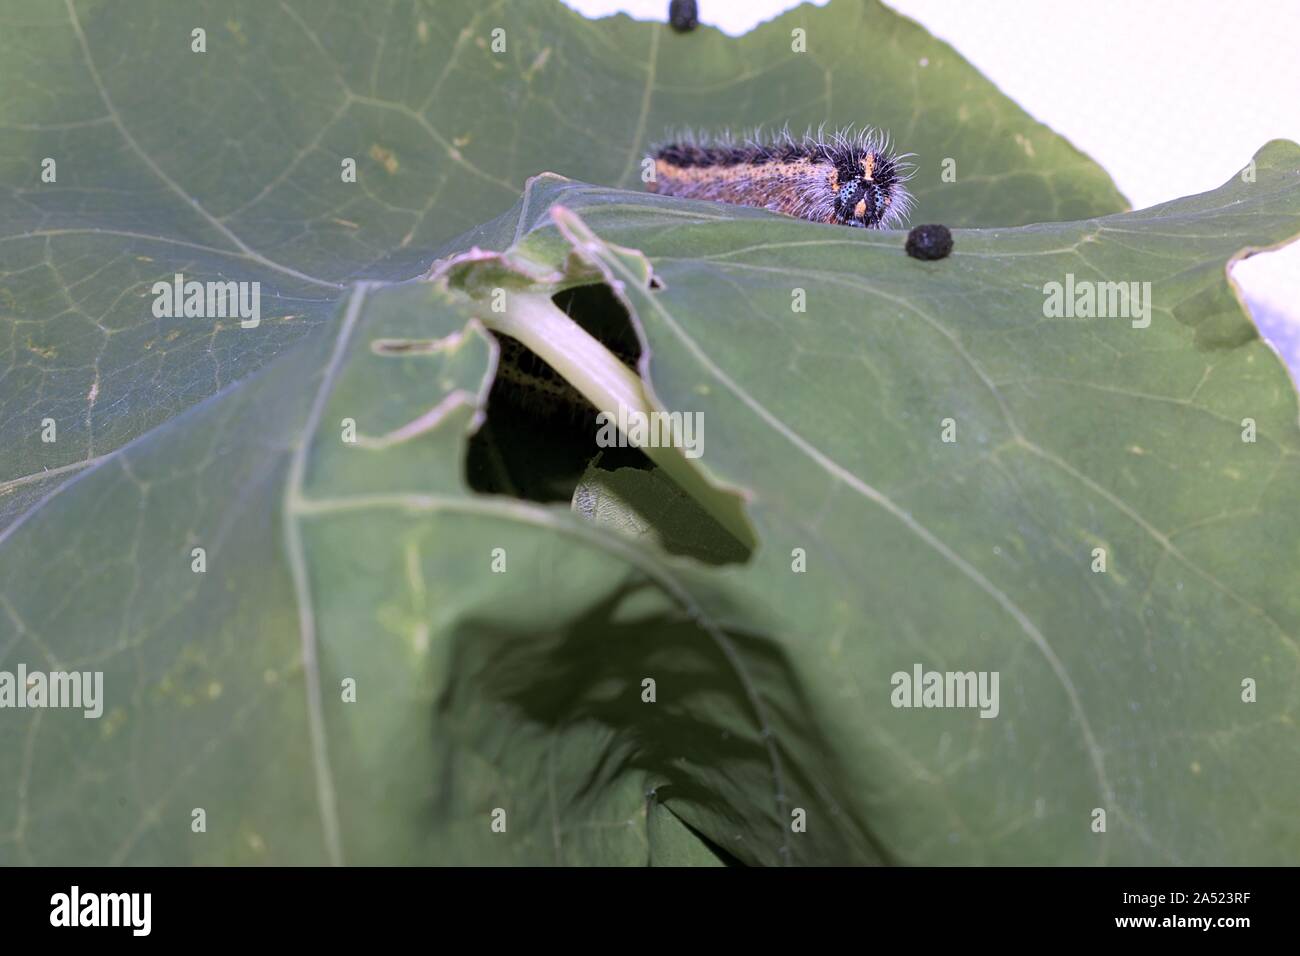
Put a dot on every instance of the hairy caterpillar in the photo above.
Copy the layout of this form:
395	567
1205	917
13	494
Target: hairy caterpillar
852	179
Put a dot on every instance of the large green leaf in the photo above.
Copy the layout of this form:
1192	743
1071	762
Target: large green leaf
522	691
226	164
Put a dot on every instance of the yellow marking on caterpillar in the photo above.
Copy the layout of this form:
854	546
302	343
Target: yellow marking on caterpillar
860	209
868	165
729	173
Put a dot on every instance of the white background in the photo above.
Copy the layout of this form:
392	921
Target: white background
1171	97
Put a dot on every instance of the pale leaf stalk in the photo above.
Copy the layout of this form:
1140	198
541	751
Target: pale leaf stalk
605	381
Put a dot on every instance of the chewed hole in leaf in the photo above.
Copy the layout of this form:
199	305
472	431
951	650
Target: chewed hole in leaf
539	443
540	433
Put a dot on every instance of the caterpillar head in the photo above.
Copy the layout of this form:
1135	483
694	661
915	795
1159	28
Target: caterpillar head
870	192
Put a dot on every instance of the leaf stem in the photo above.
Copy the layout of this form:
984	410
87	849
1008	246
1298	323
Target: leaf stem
602	378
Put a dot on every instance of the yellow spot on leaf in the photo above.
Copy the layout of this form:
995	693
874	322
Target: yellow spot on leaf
112	722
385	158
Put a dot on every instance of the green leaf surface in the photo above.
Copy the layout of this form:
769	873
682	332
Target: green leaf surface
522	691
647	504
226	165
